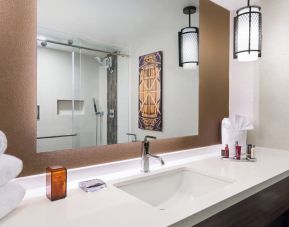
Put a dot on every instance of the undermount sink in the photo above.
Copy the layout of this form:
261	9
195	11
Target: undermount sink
173	188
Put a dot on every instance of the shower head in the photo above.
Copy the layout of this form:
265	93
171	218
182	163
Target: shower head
105	62
100	61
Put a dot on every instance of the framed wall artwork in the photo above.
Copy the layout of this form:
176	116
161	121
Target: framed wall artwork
150	92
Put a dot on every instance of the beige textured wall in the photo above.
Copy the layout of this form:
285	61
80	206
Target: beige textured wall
18	90
272	129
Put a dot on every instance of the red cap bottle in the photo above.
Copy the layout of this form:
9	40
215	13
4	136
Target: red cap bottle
238	151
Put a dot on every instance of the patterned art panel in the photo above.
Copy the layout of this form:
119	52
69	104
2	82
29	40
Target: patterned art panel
150	92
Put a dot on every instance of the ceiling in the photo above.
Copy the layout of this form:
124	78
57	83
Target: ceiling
233	4
117	22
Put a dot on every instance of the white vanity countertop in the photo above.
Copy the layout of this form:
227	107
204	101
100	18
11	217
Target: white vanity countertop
112	207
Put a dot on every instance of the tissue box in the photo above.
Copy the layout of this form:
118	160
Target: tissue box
235	129
230	136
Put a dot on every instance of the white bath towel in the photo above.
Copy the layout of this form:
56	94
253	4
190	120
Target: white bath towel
10	167
3	142
11	195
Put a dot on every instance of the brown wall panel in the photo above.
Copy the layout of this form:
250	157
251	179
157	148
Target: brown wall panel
18	90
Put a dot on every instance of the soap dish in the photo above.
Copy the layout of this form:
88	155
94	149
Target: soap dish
92	185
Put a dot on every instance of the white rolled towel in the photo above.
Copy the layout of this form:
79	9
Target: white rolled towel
11	195
10	167
3	142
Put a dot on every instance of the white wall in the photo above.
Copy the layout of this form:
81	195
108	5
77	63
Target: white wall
180	92
260	90
244	84
274	80
122	99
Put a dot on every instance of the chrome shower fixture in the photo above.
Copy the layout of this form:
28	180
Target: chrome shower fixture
70	42
105	62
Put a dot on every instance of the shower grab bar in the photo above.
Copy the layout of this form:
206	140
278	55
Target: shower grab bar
58	136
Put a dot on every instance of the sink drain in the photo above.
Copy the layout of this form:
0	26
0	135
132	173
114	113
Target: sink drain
162	209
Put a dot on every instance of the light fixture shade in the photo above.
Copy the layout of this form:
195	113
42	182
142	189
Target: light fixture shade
189	48
248	33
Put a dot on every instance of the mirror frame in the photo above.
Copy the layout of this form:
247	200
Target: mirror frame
18	92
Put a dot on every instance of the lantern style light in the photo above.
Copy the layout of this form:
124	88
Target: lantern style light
248	33
189	43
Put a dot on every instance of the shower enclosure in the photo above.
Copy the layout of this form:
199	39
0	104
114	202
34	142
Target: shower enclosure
80	86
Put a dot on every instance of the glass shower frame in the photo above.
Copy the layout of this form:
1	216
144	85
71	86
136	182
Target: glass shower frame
75	134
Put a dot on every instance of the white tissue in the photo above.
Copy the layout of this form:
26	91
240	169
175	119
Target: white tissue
237	122
11	195
10	167
235	129
3	142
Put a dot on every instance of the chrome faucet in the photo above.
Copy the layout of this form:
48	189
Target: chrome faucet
145	155
133	135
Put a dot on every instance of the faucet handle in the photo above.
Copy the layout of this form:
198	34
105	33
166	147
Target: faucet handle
149	137
134	135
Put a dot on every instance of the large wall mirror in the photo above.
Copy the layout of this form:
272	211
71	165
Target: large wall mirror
107	69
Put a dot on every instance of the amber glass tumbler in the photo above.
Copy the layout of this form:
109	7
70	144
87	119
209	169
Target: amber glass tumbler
56	182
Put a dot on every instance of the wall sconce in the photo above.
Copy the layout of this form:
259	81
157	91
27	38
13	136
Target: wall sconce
189	43
248	33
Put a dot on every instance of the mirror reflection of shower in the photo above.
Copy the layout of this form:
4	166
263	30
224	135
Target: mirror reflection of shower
82	110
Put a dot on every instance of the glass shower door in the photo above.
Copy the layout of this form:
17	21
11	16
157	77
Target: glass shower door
90	86
77	103
56	66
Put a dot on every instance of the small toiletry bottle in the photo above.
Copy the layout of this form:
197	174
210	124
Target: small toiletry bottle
238	151
227	151
248	152
253	152
56	182
223	153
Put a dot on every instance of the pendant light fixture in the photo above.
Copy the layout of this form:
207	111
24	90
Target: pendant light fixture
248	33
189	43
